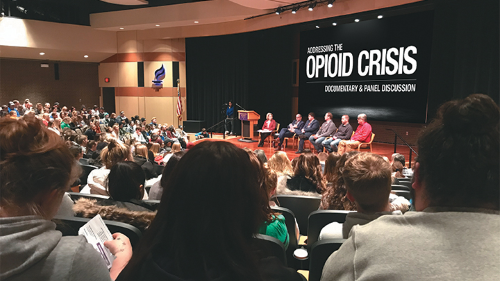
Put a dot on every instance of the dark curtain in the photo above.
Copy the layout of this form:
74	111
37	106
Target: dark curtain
217	72
251	69
465	53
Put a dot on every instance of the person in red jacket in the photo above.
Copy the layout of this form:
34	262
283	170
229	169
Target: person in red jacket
363	134
268	127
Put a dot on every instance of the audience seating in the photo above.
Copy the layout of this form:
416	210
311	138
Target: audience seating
83	161
301	206
319	253
86	169
76	195
367	144
400	187
154	203
69	226
404	193
267	246
405	183
290	226
319	219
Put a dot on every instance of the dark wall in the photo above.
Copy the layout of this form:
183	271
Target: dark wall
464	60
21	79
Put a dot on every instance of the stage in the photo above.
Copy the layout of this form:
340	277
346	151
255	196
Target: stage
383	149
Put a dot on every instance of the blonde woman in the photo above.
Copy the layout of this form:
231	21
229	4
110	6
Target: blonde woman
176	147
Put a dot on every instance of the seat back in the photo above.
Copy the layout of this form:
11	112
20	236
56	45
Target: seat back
76	195
83	161
86	169
301	206
400	187
319	219
319	253
69	226
267	246
158	168
406	194
290	225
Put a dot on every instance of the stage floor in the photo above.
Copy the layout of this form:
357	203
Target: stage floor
383	149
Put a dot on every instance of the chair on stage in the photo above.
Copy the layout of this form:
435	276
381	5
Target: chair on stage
271	137
366	145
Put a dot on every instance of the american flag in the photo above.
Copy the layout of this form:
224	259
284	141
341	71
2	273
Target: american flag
179	101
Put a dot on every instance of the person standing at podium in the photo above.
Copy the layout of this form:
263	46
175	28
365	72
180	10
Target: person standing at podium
269	125
229	118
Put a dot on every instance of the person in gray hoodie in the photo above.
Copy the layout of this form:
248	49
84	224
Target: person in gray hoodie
36	168
453	234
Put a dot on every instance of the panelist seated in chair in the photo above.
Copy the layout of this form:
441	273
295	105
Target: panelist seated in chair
343	133
326	130
310	128
363	134
367	178
289	131
268	127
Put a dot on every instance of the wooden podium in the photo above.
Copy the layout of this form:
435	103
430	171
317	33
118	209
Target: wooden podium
248	119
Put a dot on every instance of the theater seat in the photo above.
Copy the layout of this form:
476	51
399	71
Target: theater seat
301	206
69	226
267	246
319	253
319	219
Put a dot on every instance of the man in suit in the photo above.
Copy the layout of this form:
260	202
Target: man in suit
327	129
310	128
289	131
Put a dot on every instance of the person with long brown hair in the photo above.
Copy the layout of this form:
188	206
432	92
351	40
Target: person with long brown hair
36	168
204	227
330	167
307	174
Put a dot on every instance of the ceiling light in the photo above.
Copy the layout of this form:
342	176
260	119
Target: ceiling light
279	10
317	26
196	21
311	6
334	24
122	28
330	3
42	53
356	20
157	25
86	56
295	9
380	16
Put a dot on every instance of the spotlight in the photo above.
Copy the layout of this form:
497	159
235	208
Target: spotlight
196	21
317	26
86	56
279	10
330	3
356	20
42	53
157	25
334	24
311	6
122	28
295	9
380	16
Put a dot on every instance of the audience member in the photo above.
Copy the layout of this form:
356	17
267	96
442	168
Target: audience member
113	153
261	155
218	247
368	180
456	197
334	197
142	159
125	185
330	167
156	190
36	169
307	175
